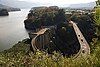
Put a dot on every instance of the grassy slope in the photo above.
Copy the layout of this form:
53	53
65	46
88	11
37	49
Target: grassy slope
97	19
20	56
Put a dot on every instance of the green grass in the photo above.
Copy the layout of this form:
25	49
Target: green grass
20	56
97	20
97	16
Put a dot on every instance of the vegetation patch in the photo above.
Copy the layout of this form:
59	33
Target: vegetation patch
20	55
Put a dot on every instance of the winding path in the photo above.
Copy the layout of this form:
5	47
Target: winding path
84	46
44	40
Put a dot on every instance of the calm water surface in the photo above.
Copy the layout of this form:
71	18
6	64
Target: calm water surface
12	29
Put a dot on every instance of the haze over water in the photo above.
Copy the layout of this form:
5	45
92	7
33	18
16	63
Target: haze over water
12	29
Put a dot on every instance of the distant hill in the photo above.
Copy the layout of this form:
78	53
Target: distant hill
24	4
83	5
8	8
18	4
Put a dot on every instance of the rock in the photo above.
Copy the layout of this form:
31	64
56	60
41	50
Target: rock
4	12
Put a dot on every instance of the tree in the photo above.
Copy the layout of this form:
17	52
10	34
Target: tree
49	15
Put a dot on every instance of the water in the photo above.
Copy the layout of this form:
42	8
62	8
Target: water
12	29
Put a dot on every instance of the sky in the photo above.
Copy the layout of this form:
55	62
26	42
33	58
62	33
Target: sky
58	2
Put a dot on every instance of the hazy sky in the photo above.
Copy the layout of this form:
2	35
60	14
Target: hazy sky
58	2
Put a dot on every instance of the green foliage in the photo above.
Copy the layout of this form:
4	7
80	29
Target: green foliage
97	16
20	56
97	20
49	16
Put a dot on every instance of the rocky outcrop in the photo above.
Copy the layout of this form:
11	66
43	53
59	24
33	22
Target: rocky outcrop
29	25
45	16
4	12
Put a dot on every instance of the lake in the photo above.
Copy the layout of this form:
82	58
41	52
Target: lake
12	28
